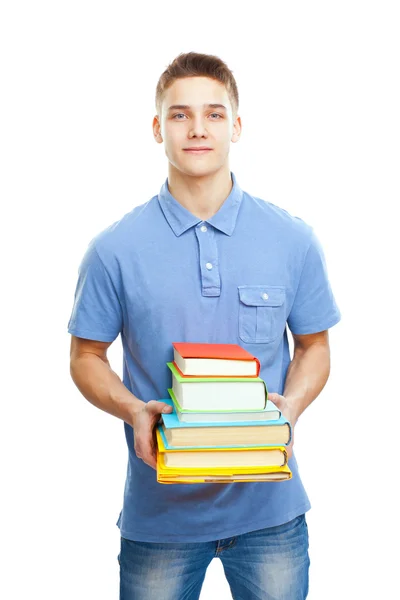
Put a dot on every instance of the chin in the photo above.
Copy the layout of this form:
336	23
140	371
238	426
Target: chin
195	170
200	169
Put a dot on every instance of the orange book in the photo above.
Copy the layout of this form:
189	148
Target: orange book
193	359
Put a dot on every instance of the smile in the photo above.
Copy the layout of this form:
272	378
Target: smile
197	151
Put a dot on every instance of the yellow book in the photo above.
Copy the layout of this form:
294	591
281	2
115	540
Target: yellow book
284	474
220	456
194	476
216	474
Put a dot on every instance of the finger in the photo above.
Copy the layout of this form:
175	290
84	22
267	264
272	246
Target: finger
155	407
149	459
151	462
145	449
289	451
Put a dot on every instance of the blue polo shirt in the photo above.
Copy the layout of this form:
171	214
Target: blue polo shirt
161	275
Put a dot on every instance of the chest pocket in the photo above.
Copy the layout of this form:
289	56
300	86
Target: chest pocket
262	316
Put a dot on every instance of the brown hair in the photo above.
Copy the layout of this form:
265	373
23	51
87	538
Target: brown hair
193	64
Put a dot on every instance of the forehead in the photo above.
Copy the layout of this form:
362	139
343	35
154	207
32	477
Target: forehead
196	91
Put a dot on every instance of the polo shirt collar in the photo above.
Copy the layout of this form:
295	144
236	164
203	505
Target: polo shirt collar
180	219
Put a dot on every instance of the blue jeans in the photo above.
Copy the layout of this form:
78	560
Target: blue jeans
267	564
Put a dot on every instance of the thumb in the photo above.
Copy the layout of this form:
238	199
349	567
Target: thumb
275	398
157	407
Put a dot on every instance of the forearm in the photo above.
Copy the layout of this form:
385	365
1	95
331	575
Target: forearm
306	377
101	386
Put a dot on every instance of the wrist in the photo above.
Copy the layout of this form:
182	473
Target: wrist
292	404
135	409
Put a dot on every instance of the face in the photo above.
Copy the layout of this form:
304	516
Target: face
188	121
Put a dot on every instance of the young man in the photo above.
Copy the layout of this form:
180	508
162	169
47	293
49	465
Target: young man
203	261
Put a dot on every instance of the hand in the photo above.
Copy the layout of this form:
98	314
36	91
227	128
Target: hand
144	422
285	406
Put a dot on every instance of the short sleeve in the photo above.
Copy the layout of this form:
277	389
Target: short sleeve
96	313
314	307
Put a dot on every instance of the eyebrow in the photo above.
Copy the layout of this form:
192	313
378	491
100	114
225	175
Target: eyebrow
186	106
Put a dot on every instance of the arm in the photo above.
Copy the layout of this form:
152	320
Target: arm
100	385
307	375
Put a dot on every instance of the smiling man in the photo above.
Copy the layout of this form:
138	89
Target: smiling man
203	261
197	139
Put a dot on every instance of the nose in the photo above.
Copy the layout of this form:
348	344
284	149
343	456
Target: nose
198	128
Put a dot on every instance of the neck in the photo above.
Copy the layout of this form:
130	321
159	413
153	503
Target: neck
202	196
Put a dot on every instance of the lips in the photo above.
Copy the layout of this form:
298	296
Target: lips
197	150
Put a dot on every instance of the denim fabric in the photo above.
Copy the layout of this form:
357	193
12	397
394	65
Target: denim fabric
267	564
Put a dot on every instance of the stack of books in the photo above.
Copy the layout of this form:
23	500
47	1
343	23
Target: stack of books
223	428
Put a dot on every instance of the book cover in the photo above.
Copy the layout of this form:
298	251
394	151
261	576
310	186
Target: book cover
198	379
167	447
277	431
270	412
219	393
217	352
219	475
282	475
161	450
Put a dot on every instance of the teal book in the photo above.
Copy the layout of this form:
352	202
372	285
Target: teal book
223	434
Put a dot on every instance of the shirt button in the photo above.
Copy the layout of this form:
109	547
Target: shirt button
203	228
265	296
208	266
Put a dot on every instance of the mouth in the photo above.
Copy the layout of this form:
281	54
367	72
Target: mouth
201	150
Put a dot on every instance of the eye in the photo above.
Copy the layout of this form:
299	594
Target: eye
216	116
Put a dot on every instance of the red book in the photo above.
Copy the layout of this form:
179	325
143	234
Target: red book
193	359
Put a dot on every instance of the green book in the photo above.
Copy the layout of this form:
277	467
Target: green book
218	393
269	413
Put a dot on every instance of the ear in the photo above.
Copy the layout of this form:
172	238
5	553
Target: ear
157	130
237	129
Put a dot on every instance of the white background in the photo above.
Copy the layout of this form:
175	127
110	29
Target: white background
319	102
